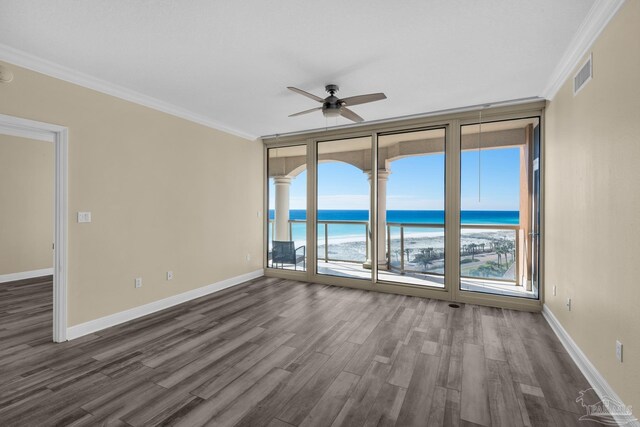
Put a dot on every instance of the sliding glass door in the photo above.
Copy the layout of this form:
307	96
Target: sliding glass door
343	202
497	209
411	207
287	215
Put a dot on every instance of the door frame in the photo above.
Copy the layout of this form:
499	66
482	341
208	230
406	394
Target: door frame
58	135
481	298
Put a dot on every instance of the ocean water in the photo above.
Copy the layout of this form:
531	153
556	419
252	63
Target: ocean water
348	242
436	217
343	233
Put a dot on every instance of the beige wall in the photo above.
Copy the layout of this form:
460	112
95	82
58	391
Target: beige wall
593	206
165	194
26	204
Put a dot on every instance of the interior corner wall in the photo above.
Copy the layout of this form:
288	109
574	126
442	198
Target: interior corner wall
26	205
592	205
165	194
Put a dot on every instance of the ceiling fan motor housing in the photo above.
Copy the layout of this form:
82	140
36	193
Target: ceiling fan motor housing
332	106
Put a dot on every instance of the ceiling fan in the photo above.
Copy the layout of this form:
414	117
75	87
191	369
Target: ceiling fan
332	106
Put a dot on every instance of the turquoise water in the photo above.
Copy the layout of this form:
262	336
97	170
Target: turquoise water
356	232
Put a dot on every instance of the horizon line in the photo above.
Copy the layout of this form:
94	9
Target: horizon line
414	210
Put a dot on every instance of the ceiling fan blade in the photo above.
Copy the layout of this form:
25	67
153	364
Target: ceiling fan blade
363	99
348	114
306	111
307	94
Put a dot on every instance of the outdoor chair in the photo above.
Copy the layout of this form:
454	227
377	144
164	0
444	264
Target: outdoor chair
285	252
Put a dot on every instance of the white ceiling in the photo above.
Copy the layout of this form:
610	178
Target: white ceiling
231	60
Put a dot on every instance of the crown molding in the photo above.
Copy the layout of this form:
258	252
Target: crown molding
596	20
26	60
398	119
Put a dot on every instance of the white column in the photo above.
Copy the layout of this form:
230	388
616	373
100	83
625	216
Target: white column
282	184
383	176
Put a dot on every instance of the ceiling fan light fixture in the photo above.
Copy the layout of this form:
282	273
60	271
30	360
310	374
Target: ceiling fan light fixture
331	112
332	106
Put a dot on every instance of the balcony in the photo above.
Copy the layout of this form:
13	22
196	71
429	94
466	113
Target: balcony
491	256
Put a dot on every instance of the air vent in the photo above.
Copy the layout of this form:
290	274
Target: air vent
583	76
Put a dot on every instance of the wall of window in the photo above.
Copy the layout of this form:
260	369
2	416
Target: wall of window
442	207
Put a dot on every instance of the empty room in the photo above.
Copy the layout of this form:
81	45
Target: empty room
300	213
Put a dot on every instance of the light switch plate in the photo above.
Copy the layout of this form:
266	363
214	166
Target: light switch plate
84	216
619	351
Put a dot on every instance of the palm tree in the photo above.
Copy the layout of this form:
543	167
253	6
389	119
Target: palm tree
489	269
423	258
504	251
507	248
472	248
407	252
430	253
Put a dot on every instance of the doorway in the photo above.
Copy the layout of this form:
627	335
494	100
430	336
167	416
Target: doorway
22	130
499	181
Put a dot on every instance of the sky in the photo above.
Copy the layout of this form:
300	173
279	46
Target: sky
417	183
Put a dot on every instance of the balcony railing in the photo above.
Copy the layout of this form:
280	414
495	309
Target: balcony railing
503	247
431	257
325	238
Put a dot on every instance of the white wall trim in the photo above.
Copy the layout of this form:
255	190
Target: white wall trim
143	310
596	20
11	277
52	69
61	236
597	381
59	136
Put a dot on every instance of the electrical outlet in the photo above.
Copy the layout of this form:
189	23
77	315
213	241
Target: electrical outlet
138	282
569	304
169	275
619	351
248	257
555	290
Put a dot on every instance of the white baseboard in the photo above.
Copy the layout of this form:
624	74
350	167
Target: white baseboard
25	275
597	381
143	310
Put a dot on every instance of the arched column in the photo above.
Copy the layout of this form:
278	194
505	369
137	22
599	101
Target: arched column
282	184
383	177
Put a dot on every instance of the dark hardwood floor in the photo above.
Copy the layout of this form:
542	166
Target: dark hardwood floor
281	353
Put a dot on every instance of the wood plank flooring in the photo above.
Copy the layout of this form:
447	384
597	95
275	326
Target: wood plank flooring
273	352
